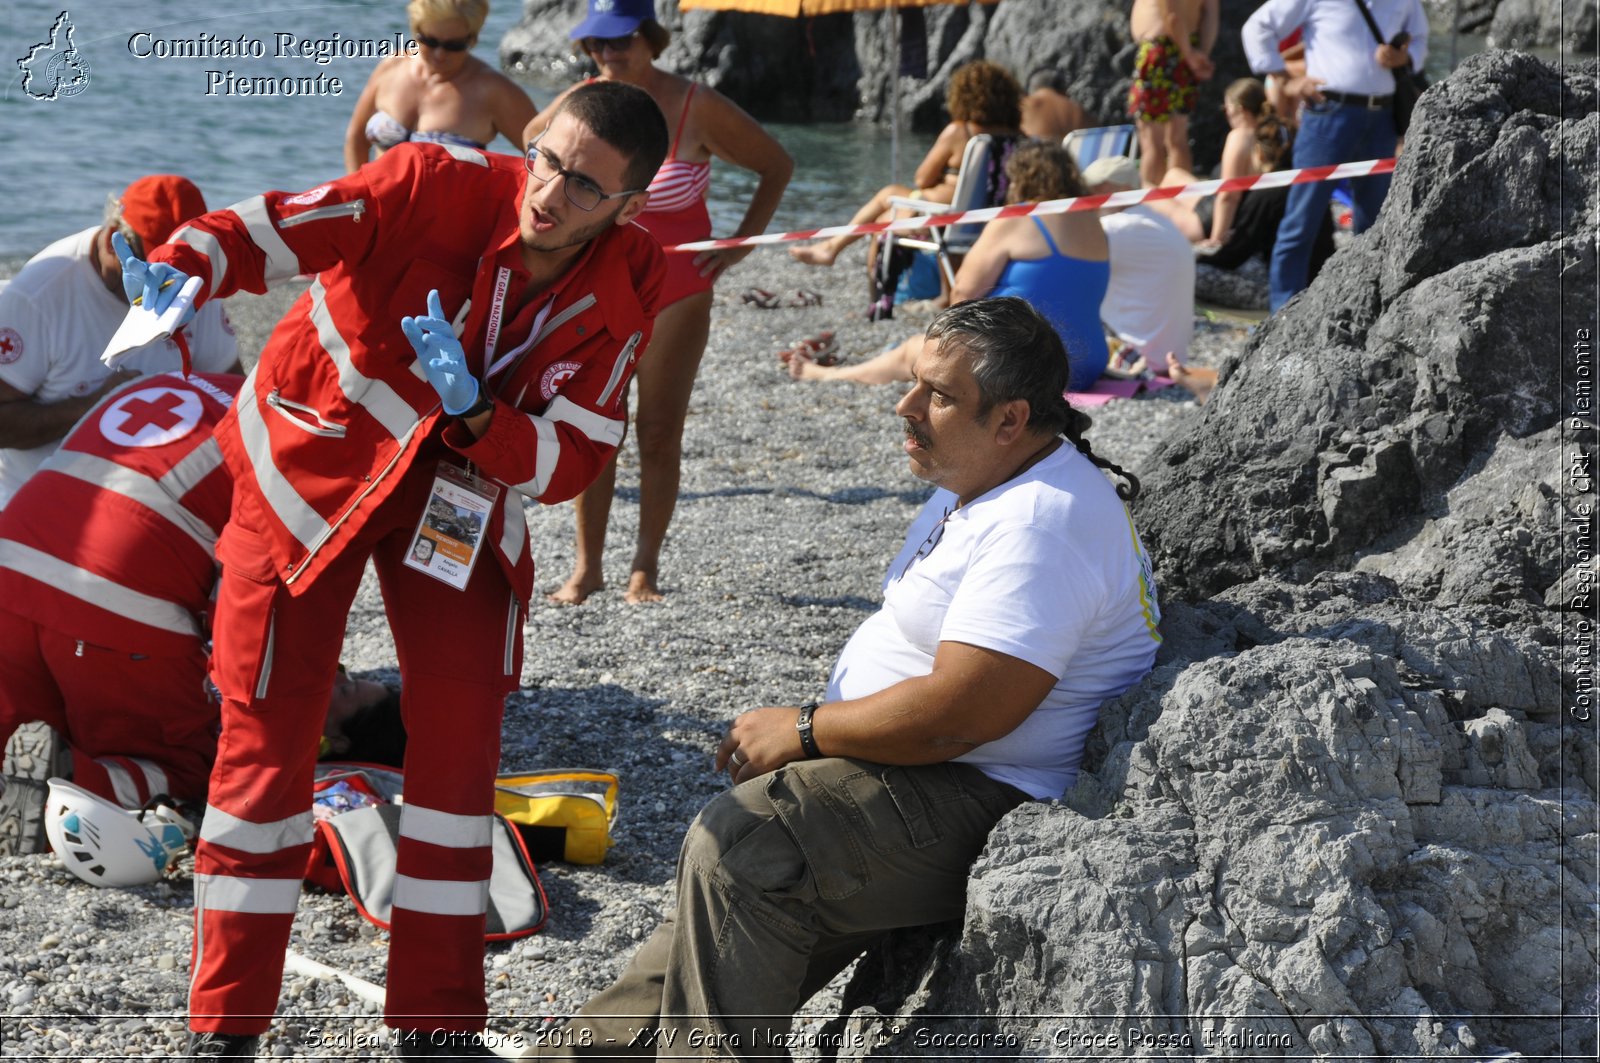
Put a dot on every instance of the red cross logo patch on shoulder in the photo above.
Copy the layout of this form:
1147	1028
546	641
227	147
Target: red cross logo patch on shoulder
10	345
554	377
151	417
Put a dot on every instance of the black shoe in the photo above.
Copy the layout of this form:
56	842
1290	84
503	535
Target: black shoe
439	1044
222	1045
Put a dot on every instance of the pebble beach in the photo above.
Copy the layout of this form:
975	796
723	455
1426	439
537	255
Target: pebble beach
794	498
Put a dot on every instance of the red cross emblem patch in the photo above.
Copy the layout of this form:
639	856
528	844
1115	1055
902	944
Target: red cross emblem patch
151	417
10	345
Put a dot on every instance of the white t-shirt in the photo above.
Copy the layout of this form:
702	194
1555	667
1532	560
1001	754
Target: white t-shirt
1150	300
56	316
1046	568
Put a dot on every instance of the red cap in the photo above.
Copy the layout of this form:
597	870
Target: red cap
156	205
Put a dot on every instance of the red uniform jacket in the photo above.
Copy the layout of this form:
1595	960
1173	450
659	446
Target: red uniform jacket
337	410
112	541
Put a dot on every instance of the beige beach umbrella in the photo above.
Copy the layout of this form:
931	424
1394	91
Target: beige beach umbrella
797	8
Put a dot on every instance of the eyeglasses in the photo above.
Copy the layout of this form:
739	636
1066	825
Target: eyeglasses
455	44
581	192
935	537
595	45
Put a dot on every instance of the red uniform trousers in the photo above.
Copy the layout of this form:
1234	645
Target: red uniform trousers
460	653
137	725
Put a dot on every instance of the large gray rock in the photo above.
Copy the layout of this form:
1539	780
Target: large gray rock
838	67
1542	24
1346	815
1308	847
1417	351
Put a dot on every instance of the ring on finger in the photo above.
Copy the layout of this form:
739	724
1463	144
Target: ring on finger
737	758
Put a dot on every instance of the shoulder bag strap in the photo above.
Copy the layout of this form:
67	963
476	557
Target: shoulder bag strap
1372	23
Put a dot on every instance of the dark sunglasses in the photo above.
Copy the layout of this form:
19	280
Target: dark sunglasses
594	45
455	44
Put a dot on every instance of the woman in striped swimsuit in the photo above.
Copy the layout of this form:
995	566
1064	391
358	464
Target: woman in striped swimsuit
623	38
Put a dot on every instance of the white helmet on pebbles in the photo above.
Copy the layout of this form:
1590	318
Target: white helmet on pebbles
106	845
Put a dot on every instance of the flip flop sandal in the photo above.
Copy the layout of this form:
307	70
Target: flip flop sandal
804	297
822	349
763	299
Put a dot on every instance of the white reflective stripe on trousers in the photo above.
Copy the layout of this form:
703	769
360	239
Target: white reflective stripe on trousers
258	896
445	828
439	897
222	828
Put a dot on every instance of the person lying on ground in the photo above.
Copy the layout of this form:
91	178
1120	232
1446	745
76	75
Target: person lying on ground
1020	601
106	578
984	97
62	308
1060	263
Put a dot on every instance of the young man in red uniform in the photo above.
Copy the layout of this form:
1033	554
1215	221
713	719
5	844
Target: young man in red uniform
363	430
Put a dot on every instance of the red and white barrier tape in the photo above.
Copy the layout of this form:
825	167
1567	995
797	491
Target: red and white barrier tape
1276	179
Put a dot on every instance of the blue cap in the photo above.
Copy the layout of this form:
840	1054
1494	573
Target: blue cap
613	18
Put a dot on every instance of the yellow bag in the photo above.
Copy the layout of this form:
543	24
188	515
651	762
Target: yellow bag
562	814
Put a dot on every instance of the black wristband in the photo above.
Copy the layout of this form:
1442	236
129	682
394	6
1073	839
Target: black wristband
484	404
808	741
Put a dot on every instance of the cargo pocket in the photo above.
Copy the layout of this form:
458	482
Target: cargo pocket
244	629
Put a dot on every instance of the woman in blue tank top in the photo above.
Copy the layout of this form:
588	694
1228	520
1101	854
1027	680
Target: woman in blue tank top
1060	263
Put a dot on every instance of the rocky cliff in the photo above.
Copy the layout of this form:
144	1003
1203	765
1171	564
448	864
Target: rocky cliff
1347	815
837	68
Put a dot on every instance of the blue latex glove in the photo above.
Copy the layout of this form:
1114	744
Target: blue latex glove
444	362
153	285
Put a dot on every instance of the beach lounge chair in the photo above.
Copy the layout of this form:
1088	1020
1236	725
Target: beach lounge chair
1090	145
980	183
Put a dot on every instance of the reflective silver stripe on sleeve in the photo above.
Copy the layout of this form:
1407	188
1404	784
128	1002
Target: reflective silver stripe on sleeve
471	155
437	897
221	828
122	786
544	459
185	476
514	529
260	896
207	245
135	487
281	261
445	828
374	396
599	428
96	590
620	367
296	513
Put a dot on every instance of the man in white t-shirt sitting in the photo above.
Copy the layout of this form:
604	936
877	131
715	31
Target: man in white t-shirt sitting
1020	600
64	305
1149	303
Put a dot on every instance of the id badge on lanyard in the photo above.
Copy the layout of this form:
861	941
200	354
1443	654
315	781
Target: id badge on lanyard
450	534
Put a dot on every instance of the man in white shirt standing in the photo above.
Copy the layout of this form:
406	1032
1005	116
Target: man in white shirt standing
1347	107
64	305
1149	302
1020	601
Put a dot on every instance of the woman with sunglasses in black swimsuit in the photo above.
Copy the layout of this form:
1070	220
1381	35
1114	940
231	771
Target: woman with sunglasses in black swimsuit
439	94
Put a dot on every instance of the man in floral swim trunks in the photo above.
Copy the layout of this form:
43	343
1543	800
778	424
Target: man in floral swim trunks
1175	39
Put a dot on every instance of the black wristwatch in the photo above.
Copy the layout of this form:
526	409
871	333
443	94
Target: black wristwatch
484	404
808	741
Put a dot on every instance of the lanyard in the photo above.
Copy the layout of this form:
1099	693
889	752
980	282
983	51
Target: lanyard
502	284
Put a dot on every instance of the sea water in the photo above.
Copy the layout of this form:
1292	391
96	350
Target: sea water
172	86
164	86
